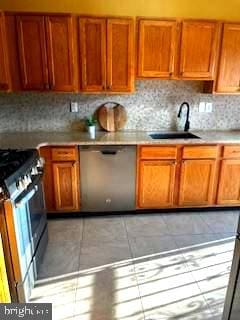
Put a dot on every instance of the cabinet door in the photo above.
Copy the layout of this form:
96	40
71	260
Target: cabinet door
32	52
229	63
156	183
120	55
4	67
198	49
66	186
93	54
197	182
61	52
156	48
229	184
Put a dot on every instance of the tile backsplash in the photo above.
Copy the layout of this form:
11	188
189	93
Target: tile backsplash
153	106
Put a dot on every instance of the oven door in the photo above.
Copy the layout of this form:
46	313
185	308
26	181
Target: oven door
29	222
37	214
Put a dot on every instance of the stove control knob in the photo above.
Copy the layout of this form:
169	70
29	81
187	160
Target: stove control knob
34	171
26	181
20	185
40	163
29	180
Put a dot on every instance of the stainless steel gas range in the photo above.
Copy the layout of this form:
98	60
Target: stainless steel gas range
22	198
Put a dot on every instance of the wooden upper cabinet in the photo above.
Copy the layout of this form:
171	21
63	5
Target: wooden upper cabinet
228	80
93	53
4	66
61	53
156	48
32	52
229	184
120	55
197	182
156	183
198	49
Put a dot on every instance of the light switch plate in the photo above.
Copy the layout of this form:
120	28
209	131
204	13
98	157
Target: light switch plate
73	107
209	107
201	107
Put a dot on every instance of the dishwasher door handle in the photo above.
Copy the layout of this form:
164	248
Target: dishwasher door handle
109	152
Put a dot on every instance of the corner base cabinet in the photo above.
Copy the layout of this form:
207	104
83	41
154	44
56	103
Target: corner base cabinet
61	179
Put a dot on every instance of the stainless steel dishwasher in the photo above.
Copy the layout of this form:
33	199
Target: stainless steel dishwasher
108	176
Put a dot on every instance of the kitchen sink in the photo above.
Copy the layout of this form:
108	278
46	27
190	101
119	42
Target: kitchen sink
174	135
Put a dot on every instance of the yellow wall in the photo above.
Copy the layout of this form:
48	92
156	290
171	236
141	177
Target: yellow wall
219	9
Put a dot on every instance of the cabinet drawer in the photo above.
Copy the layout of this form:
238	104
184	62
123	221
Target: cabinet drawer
231	151
158	152
200	152
64	154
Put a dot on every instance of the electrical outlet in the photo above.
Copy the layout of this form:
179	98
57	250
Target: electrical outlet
202	107
209	107
73	107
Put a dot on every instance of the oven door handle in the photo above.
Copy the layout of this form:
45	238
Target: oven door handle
20	201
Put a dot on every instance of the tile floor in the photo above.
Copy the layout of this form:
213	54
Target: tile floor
139	267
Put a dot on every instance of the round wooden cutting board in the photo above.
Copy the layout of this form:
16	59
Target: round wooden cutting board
112	116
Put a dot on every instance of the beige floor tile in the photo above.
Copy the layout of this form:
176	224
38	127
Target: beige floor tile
97	254
65	230
185	223
143	246
104	229
145	225
221	221
108	293
159	266
177	297
60	259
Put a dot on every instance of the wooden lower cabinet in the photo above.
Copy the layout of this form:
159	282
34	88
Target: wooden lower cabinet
229	184
197	182
65	178
156	183
61	178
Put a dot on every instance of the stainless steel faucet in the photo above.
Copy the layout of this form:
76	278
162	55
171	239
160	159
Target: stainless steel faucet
187	123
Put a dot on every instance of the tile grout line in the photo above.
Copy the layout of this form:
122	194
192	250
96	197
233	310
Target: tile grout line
207	303
135	274
80	248
207	224
190	271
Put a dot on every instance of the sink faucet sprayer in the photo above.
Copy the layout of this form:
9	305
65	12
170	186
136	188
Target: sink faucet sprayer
187	123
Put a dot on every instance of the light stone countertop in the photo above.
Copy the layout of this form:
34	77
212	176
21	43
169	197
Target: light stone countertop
24	140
